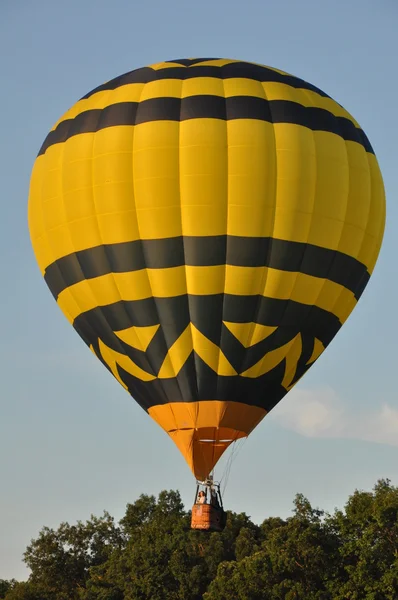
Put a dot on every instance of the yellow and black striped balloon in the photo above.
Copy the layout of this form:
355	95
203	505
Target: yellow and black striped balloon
207	226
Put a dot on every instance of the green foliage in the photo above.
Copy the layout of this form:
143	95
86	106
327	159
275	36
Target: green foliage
61	560
152	554
28	591
368	531
6	586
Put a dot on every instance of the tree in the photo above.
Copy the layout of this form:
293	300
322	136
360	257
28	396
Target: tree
369	545
6	586
60	560
295	560
27	591
152	554
160	553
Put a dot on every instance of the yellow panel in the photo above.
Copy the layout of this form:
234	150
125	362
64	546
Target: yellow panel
171	282
51	185
203	177
296	168
58	237
332	176
295	191
328	294
269	361
351	240
76	176
54	213
169	88
345	299
35	214
245	281
156	180
107	141
251	166
115	227
156	134
317	351
260	332
375	225
54	157
70	236
76	205
77	147
108	168
253	142
138	337
238	86
80	148
211	354
35	217
325	232
204	280
202	85
113	359
165	283
292	359
250	221
307	289
177	355
375	254
251	178
376	219
358	202
250	333
280	284
162	222
116	197
367	251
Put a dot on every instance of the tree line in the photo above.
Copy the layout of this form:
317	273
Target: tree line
152	554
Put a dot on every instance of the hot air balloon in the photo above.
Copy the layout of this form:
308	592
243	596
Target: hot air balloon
206	226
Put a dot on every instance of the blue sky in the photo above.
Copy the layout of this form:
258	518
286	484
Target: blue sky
72	442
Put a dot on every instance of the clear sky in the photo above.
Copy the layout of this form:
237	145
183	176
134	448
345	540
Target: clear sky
72	442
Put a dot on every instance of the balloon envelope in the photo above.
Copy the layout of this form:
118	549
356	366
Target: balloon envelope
207	226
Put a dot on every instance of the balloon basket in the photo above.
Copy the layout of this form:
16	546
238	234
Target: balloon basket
208	518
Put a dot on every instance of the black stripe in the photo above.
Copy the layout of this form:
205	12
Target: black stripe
207	251
308	344
210	324
265	391
174	316
196	380
232	70
188	62
206	106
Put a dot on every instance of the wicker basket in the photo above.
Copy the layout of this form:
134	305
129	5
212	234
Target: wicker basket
207	518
